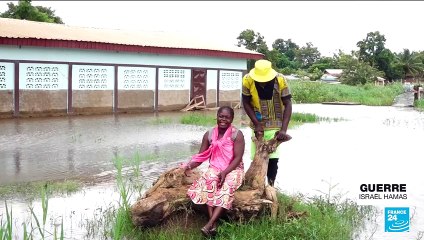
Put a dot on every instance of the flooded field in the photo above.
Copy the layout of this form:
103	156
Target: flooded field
371	145
83	146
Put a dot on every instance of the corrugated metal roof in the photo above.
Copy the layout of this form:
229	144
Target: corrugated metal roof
327	77
23	29
335	72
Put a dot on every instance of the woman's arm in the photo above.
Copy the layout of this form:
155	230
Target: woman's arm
205	142
238	156
203	147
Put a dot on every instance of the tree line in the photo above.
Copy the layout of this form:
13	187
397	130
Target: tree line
25	10
371	60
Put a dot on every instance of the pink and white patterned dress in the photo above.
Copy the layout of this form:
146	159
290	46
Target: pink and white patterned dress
220	153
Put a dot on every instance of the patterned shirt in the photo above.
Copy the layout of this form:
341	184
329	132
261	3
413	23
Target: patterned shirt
267	99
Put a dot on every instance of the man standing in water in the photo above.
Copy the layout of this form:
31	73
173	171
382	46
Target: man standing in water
267	101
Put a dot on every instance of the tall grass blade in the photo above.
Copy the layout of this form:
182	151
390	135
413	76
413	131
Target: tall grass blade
31	209
9	217
62	233
25	231
44	203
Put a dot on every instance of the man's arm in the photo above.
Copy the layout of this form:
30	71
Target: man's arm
286	113
282	133
248	108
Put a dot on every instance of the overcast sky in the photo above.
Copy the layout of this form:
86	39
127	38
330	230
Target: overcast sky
328	25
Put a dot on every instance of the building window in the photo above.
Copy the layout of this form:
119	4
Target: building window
230	80
174	79
85	77
43	76
136	78
7	75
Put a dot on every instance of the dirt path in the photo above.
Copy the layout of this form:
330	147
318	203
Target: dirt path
404	100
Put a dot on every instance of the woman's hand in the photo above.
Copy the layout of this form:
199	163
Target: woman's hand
185	167
222	176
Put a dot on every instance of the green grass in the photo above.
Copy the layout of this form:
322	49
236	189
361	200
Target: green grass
304	117
311	118
35	226
316	92
115	222
199	119
6	230
419	104
324	220
298	119
161	121
163	156
32	189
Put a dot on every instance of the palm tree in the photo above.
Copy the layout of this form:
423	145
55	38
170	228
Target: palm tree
411	63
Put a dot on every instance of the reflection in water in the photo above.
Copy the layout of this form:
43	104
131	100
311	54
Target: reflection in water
156	150
71	161
18	126
115	151
373	145
116	120
17	157
70	123
84	146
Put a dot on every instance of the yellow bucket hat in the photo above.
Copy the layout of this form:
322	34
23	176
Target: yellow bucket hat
263	71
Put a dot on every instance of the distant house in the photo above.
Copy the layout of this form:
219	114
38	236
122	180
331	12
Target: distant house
380	81
291	77
409	79
56	69
334	72
296	77
331	76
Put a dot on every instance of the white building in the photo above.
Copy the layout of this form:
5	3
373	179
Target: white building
55	69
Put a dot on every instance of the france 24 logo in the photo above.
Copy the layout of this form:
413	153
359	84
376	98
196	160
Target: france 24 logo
396	219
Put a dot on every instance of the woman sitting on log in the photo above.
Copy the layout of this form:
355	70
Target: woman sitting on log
223	146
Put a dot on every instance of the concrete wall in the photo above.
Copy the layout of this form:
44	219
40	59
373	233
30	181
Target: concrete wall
170	100
211	98
229	97
6	103
136	101
94	101
36	102
6	89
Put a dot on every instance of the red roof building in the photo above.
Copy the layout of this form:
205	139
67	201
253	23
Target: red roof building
48	69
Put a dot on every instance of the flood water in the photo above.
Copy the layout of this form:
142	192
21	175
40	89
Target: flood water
372	145
83	146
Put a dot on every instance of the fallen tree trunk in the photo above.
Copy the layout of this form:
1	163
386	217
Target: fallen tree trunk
169	193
